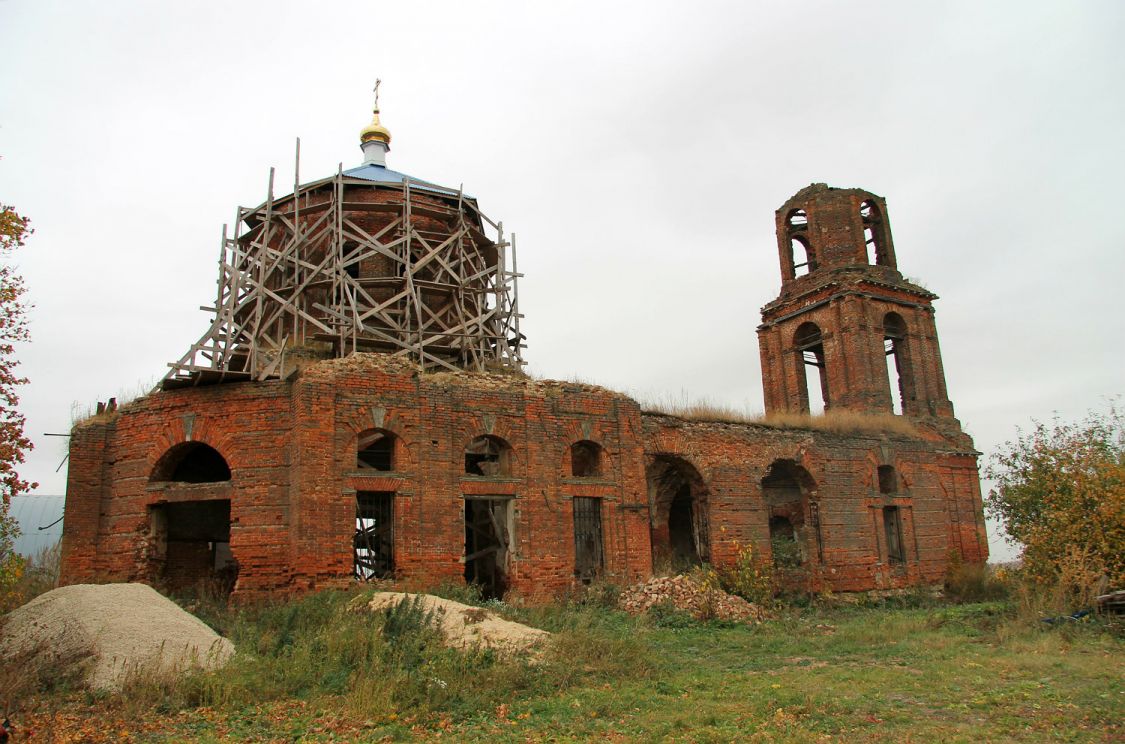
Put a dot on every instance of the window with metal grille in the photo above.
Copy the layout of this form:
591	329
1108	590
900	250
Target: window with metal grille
374	535
892	526
588	554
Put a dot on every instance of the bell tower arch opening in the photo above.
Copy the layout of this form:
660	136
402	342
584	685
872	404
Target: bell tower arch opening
813	377
898	363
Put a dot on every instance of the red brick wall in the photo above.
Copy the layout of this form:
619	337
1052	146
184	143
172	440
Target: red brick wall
291	449
939	506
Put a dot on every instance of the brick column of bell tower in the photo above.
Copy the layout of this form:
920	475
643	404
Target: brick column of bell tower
843	309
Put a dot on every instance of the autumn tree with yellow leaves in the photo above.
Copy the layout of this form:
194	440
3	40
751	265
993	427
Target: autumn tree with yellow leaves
1060	492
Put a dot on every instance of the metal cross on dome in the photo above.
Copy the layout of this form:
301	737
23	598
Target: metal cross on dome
378	82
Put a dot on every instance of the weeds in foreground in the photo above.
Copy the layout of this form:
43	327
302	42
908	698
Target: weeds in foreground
318	668
974	582
328	647
751	576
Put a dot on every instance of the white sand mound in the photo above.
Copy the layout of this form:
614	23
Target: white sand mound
109	632
465	626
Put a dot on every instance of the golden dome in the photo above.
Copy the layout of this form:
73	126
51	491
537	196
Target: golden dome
375	132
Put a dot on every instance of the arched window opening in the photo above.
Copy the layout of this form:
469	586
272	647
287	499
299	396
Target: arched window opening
489	456
679	514
813	374
191	462
803	261
894	347
872	220
888	479
794	522
585	460
375	450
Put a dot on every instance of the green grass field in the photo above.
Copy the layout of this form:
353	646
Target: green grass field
315	671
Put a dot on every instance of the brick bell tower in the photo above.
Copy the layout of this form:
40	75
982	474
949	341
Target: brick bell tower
847	331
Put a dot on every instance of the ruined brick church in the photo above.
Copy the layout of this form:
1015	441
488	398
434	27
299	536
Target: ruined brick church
357	410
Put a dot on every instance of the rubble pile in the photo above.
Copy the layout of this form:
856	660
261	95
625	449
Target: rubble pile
689	594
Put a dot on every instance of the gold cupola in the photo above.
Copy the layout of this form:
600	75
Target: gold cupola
375	132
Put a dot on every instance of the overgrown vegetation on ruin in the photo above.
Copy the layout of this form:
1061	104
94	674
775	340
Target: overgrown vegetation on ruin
835	422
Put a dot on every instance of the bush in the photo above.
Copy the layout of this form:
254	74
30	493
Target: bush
750	577
1060	492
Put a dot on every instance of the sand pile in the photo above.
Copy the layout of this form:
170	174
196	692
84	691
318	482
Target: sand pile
689	595
465	626
108	632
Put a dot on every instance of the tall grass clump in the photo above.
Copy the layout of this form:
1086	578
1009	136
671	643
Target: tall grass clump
329	647
973	582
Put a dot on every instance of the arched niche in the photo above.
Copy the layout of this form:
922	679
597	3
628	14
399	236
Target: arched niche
793	519
587	459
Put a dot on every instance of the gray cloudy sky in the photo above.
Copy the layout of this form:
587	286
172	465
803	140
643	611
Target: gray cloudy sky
638	150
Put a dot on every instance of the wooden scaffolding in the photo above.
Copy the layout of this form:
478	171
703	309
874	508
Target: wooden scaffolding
349	264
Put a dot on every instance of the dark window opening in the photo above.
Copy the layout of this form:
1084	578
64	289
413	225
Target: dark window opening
373	545
813	373
588	549
375	450
191	547
894	347
487	542
681	529
888	479
892	528
585	460
191	462
351	262
489	456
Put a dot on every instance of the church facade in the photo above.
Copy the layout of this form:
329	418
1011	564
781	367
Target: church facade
357	411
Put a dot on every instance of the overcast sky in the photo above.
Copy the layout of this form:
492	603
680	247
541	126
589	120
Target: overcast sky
638	151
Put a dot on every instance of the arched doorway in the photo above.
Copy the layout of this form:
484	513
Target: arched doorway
678	512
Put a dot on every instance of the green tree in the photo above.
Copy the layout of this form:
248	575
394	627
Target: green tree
14	230
1060	492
